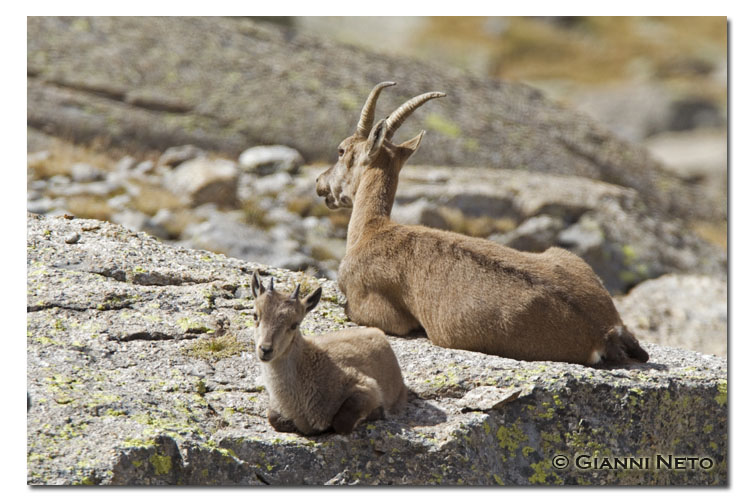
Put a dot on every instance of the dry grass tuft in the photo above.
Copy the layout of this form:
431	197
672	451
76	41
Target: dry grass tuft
254	215
590	49
64	155
475	226
179	221
152	198
714	232
89	207
215	348
308	281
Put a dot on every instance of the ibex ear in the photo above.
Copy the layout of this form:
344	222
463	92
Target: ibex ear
409	147
375	139
257	289
312	299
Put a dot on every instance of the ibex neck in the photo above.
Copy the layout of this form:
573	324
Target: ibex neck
373	203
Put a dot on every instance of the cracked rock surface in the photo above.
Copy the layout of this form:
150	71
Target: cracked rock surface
140	370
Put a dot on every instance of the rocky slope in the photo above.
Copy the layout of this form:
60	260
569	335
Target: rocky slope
263	208
141	371
225	84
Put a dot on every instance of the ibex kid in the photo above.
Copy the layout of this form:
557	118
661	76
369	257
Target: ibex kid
317	383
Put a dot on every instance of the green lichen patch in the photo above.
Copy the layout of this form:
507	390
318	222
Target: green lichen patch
334	316
543	474
510	438
629	255
161	464
216	348
309	283
348	101
471	144
442	125
139	442
193	326
201	387
722	393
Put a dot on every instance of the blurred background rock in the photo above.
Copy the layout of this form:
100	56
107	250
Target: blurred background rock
660	82
606	136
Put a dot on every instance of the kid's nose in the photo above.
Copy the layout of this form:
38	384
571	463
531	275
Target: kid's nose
265	352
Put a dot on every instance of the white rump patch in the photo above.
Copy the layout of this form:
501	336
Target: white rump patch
595	357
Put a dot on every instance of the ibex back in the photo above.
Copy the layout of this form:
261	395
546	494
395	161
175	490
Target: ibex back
466	293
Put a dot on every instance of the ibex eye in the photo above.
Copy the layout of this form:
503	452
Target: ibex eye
294	325
255	317
341	151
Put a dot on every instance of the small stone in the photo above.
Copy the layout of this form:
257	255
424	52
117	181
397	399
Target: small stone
536	234
204	180
126	163
85	173
178	154
44	205
59	180
265	160
273	184
119	202
131	219
72	238
420	212
37	159
144	167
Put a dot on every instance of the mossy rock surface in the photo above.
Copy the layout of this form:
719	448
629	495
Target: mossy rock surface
121	393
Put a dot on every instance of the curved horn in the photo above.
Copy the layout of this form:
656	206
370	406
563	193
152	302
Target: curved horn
367	112
397	117
272	284
295	292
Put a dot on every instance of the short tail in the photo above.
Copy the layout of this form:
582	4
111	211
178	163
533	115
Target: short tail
621	345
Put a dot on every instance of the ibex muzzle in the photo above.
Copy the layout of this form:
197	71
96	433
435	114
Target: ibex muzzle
339	184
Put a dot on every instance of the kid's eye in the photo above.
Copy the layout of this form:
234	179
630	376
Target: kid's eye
294	325
341	151
255	317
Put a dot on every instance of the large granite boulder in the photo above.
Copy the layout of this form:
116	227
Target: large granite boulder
140	370
688	311
205	181
609	226
225	84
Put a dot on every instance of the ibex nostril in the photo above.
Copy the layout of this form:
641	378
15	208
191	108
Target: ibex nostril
266	350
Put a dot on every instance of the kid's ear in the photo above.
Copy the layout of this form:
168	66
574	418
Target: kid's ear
312	299
257	289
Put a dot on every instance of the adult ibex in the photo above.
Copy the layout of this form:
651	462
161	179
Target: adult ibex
466	293
335	380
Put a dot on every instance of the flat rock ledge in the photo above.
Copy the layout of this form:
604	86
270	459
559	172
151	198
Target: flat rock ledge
140	370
